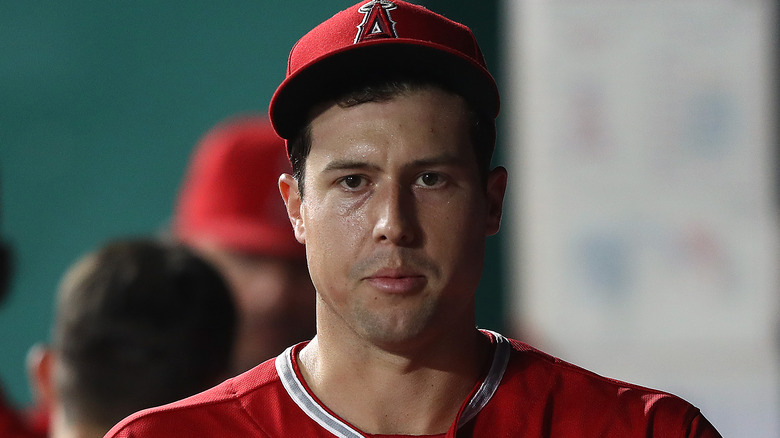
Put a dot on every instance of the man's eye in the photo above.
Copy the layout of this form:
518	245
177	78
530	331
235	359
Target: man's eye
352	181
429	179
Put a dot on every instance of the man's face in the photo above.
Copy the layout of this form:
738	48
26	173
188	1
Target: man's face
394	217
274	298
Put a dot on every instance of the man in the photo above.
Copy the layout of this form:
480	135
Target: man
389	115
138	323
229	211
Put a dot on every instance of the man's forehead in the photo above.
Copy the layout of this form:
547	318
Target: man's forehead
428	105
365	162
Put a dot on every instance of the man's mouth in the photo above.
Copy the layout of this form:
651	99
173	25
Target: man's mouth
397	281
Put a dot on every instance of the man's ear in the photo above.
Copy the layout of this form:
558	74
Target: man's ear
496	188
288	187
40	373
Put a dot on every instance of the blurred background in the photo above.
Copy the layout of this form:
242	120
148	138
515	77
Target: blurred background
644	223
640	237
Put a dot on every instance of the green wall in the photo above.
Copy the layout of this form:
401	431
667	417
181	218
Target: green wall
100	104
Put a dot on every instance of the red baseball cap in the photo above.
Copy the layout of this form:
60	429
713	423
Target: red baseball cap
380	37
230	193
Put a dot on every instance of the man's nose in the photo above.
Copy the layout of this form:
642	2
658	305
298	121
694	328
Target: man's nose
395	215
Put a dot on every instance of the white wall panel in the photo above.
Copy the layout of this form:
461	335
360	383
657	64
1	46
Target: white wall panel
642	162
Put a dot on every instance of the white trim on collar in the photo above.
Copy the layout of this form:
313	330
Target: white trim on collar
306	402
491	382
336	426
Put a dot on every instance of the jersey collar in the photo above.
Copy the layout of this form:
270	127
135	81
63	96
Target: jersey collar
300	394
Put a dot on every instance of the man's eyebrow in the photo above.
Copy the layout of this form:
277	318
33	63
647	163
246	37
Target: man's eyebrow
439	160
347	165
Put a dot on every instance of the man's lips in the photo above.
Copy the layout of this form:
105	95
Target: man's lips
397	281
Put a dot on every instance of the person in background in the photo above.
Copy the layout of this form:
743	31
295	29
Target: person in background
15	423
230	212
139	323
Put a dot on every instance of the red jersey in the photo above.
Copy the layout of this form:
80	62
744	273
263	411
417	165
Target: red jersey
526	393
15	425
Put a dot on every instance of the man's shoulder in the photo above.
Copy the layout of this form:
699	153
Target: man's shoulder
554	374
225	408
536	382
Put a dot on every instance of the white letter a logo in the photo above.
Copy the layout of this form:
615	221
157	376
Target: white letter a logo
376	21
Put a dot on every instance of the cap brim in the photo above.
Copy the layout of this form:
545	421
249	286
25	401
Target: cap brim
327	76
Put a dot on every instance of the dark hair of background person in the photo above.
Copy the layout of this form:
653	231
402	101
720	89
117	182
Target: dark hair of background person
139	323
6	259
5	268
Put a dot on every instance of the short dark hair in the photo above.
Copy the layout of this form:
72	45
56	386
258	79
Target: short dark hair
139	323
6	269
483	128
6	265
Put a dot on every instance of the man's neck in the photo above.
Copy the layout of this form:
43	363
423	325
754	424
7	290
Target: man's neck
416	392
60	427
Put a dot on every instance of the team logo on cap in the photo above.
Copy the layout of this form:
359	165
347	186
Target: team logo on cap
376	21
